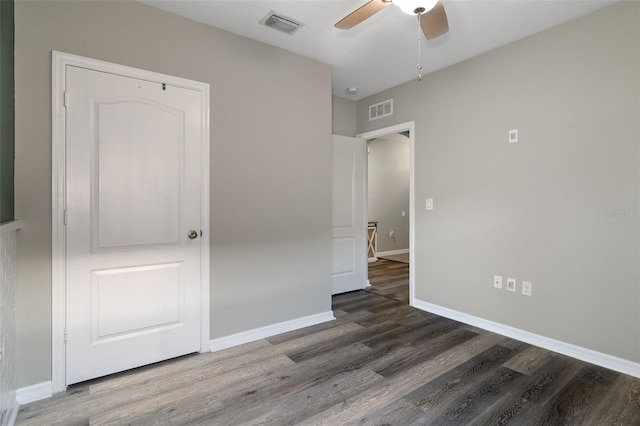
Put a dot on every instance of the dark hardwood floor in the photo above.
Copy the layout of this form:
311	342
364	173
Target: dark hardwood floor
380	363
389	279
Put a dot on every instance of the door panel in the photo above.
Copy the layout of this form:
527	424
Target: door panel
344	182
133	193
152	302
131	130
344	250
349	265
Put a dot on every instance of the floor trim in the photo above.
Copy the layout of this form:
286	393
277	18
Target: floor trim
34	393
588	355
392	252
270	330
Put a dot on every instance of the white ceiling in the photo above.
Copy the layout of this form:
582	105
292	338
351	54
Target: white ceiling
382	51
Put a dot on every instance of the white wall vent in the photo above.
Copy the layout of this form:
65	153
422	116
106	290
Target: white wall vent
279	22
381	109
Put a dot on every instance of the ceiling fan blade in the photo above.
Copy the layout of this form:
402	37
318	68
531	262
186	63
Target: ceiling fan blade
434	23
362	13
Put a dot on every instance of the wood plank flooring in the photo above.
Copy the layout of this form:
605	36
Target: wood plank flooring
380	362
389	279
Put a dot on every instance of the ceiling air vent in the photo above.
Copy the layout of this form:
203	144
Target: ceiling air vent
282	23
382	109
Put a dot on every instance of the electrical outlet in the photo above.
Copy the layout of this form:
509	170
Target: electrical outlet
497	281
513	135
526	288
511	284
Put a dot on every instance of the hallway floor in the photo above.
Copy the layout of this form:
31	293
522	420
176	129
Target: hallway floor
389	279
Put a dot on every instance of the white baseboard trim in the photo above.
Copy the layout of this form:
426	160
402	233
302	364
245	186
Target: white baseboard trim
588	355
270	330
392	252
34	393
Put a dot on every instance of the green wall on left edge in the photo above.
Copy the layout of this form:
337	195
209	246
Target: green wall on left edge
7	141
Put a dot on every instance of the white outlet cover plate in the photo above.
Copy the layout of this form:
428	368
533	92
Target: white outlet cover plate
513	135
511	284
526	288
497	281
429	204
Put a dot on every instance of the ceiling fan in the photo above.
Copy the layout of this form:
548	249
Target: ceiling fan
431	14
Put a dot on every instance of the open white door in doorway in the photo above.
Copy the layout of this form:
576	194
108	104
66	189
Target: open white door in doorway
349	243
133	217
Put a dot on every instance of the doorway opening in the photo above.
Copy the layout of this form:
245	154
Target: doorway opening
390	210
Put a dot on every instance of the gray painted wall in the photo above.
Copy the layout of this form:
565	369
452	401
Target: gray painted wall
559	208
388	190
343	113
270	161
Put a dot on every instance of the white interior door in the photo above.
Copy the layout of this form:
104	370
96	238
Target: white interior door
133	187
349	243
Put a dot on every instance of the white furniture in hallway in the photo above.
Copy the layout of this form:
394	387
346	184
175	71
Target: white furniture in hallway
372	237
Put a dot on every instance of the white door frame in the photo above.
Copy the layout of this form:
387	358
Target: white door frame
59	62
402	127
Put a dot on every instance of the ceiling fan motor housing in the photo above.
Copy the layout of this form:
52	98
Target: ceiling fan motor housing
416	7
431	14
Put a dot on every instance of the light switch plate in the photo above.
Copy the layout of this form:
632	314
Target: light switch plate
511	284
429	204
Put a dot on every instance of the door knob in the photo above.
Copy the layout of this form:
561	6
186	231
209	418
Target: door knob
192	234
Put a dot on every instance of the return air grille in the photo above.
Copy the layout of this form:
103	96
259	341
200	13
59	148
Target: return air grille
280	22
382	109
